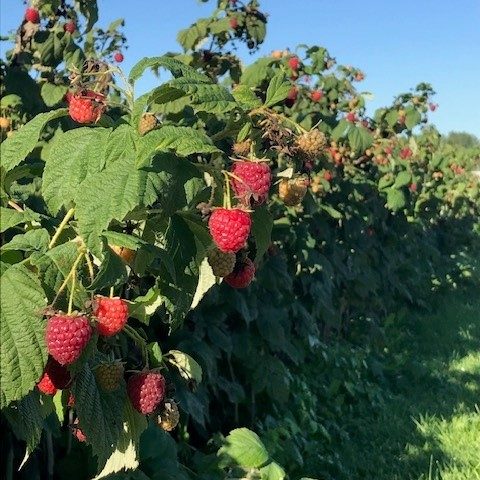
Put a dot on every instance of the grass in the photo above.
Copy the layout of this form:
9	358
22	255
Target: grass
429	427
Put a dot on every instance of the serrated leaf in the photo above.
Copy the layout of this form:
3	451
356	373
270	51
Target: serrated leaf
391	118
244	448
100	414
206	281
177	68
359	139
256	73
155	354
72	158
395	199
262	230
89	10
113	272
23	353
341	130
126	455
245	96
412	118
53	94
15	149
277	89
144	306
272	471
33	240
188	368
10	217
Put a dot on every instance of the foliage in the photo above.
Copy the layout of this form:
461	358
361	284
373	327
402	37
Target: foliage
390	216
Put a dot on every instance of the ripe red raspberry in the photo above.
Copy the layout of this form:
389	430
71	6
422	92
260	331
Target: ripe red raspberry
251	182
32	15
109	375
291	97
86	106
294	63
111	313
55	377
118	57
412	187
146	390
351	117
242	275
316	95
77	432
405	153
229	228
233	23
327	175
70	27
67	336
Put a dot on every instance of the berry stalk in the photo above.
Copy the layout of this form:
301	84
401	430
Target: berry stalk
60	228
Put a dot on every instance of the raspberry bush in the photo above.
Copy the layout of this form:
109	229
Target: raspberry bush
122	213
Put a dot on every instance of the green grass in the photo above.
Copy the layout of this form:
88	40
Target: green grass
429	427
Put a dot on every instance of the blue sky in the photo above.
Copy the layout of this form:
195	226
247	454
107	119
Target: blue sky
396	44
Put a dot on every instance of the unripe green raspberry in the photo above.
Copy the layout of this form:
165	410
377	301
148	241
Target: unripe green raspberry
109	376
222	263
147	123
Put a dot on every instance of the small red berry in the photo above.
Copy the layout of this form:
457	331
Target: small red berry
291	97
242	275
111	313
77	432
432	106
233	23
294	63
55	376
351	117
316	95
67	336
405	153
86	106
71	400
118	57
251	182
229	228
32	15
413	187
388	150
70	27
327	175
146	390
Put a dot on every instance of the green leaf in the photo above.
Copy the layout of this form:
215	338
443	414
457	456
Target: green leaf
53	94
341	130
155	354
177	69
272	471
126	453
256	73
124	240
10	217
402	179
331	211
262	230
245	96
188	368
89	10
113	272
206	281
33	240
391	118
72	158
143	307
412	118
244	448
359	139
183	141
16	148
277	89
395	199
100	414
189	37
23	354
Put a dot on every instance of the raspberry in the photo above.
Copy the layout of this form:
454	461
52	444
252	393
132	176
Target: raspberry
233	23
111	313
291	97
242	148
311	143
118	57
327	175
351	117
251	182
86	106
291	192
109	375
242	276
71	400
32	15
222	263
316	95
146	390
412	187
294	63
229	228
55	376
405	153
77	432
70	27
169	416
147	123
67	336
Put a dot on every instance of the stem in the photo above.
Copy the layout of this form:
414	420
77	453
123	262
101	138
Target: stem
67	278
227	202
266	112
62	225
72	291
111	292
138	340
14	205
50	456
89	266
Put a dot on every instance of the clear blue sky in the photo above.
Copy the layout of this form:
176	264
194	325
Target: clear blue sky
397	44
